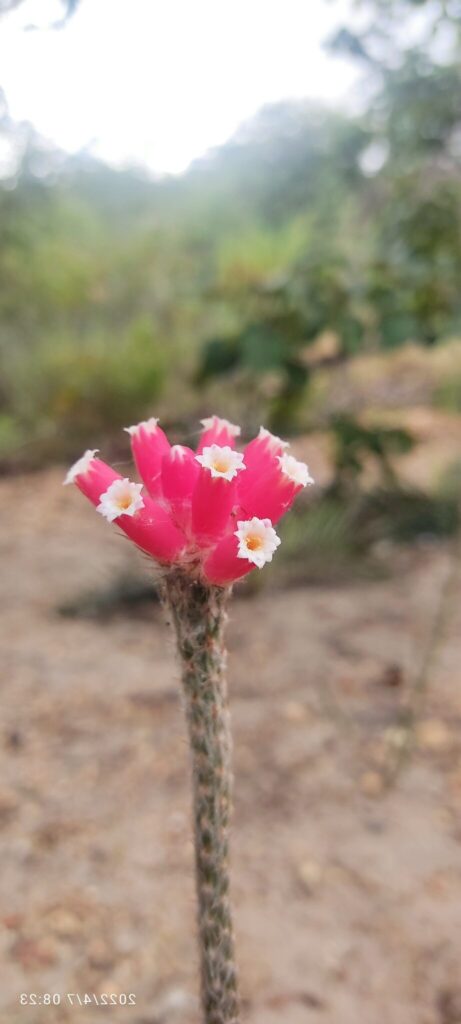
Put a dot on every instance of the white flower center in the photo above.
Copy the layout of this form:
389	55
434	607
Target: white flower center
257	540
220	424
150	426
122	498
222	462
81	466
296	471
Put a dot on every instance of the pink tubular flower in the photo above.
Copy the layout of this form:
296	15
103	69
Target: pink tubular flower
91	475
211	513
261	460
217	431
264	449
214	493
143	520
149	444
272	492
252	544
178	478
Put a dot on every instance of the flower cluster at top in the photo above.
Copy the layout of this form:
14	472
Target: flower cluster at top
213	511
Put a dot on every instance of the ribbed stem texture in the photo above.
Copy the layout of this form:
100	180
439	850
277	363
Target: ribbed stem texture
199	614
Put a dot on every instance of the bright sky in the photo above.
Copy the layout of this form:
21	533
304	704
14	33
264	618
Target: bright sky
159	82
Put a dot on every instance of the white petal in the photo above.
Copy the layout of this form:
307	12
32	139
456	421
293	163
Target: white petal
216	421
260	530
149	426
296	471
223	462
178	451
122	498
81	466
272	439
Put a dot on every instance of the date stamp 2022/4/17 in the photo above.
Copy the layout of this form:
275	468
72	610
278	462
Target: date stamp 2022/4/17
77	998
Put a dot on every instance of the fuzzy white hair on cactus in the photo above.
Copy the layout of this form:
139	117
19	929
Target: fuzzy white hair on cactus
257	540
223	462
218	423
122	498
81	466
150	426
296	471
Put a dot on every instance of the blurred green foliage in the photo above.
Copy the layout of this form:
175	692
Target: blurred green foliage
354	443
381	263
121	295
72	391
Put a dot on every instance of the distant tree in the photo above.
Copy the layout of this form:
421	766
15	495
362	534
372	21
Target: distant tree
412	50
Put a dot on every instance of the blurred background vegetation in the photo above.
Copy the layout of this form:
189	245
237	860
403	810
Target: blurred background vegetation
305	275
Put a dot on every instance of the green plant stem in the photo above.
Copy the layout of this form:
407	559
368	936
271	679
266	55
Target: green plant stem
199	615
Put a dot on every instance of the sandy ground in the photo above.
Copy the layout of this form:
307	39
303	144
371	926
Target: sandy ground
347	872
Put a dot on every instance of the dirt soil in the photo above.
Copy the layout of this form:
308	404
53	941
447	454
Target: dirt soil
347	828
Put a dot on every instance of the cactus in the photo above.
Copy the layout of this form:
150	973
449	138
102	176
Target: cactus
206	518
198	613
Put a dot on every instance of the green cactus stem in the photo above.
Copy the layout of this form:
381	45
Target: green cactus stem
199	614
